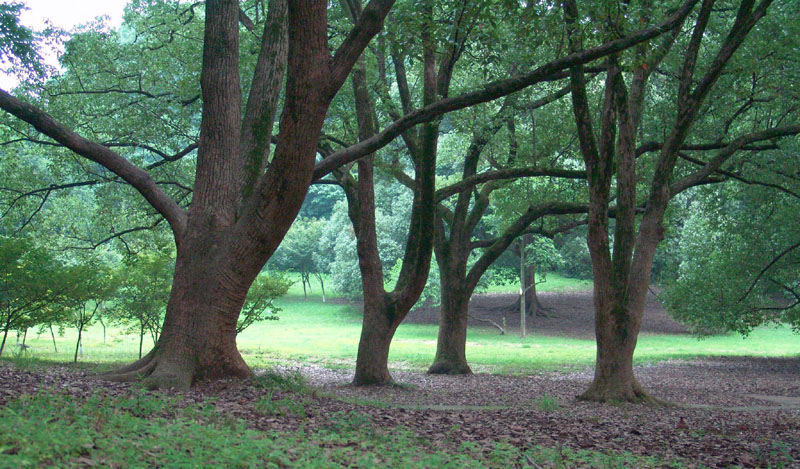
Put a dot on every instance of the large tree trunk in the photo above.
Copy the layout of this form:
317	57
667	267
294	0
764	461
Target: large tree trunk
616	331
452	342
198	339
372	361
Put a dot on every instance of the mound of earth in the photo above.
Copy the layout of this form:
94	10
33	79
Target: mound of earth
570	314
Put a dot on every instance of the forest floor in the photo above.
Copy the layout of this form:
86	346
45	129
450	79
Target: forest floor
728	411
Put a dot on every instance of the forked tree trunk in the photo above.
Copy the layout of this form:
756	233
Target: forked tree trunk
451	345
616	331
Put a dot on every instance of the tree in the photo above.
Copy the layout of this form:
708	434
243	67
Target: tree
93	285
142	299
243	202
244	196
259	304
621	276
31	282
384	311
298	250
747	273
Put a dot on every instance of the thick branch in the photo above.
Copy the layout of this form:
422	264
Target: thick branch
369	23
133	175
727	152
510	173
496	89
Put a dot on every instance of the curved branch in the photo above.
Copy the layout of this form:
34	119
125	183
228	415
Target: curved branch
496	89
133	175
767	267
727	152
510	173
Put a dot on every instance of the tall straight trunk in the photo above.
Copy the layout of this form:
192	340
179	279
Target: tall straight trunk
24	337
451	344
141	338
104	331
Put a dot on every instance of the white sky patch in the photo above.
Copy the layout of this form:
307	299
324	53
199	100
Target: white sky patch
65	14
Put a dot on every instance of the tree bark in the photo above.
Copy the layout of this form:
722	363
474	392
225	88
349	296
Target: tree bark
622	276
198	339
451	356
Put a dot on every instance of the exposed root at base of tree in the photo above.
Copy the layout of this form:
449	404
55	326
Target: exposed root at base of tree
445	367
634	394
373	382
157	373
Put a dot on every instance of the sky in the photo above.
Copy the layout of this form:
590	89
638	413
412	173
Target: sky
65	14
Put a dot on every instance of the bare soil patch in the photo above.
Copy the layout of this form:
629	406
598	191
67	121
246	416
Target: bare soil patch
570	314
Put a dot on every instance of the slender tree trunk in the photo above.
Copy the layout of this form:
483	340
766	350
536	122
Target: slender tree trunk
5	336
452	342
321	286
141	338
78	343
24	336
53	335
533	307
104	331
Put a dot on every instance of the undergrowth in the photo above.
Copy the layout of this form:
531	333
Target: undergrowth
142	429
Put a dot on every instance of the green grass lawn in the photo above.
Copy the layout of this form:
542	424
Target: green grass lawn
129	430
328	334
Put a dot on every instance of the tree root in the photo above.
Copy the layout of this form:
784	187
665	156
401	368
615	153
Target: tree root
445	367
633	394
154	374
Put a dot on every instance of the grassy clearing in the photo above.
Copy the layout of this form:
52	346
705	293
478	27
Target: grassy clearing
549	282
149	430
328	334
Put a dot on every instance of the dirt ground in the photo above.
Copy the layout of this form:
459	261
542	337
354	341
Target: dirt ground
569	314
727	412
